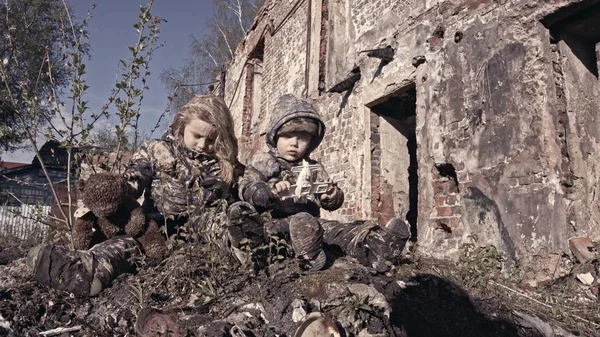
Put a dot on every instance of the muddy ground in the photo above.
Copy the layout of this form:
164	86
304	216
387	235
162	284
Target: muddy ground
200	291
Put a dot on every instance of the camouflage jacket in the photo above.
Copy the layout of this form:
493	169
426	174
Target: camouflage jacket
173	179
265	170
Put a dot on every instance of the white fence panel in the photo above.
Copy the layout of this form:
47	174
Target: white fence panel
19	222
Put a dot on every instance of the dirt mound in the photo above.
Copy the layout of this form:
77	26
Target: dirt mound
199	292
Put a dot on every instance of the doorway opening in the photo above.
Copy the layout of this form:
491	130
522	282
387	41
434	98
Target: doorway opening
394	166
576	26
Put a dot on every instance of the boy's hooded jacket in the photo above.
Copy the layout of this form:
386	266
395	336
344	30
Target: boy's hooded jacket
266	169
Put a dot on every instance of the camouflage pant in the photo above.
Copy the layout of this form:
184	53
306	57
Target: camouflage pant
83	272
364	240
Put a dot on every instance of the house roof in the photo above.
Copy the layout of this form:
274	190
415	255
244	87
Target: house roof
7	165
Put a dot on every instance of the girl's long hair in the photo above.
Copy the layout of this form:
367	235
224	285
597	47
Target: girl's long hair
213	110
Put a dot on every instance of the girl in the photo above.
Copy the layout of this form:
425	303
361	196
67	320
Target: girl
186	173
195	164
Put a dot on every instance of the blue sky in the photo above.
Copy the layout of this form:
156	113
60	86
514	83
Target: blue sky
111	29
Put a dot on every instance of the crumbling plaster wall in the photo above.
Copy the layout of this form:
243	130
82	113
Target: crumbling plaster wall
486	104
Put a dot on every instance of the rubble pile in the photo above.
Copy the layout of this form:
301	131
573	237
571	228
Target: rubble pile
199	291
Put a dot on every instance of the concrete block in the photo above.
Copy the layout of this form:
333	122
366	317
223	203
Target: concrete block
583	248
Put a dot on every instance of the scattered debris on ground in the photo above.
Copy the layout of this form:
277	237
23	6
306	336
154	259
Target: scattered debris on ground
199	291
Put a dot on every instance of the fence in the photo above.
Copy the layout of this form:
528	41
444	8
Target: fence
21	222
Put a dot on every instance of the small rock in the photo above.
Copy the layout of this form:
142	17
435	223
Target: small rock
586	278
366	333
314	304
375	298
544	268
4	324
10	254
258	308
403	284
458	36
583	248
418	60
299	310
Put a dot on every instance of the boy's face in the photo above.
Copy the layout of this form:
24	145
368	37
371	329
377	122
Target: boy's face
199	136
292	146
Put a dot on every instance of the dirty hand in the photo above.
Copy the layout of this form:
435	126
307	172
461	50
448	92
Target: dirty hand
327	196
214	188
281	188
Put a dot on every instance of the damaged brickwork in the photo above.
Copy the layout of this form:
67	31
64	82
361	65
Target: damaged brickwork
506	144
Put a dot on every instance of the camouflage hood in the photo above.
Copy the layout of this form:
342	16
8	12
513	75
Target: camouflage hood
289	107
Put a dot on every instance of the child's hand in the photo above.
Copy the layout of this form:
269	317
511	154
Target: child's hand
281	188
214	189
328	196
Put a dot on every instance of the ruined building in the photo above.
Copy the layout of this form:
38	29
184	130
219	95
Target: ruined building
469	117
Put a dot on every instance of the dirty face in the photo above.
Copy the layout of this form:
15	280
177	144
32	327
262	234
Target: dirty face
292	146
199	136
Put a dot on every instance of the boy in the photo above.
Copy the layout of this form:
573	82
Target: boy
295	131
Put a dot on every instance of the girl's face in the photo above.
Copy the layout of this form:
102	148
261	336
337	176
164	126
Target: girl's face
199	136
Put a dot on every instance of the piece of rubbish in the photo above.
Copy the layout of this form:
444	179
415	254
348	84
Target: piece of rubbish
316	324
59	331
583	248
586	278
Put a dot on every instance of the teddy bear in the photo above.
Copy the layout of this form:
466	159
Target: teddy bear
110	210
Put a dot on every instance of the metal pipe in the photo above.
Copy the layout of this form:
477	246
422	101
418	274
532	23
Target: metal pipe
308	48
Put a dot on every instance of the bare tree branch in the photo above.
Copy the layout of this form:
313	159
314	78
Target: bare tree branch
212	49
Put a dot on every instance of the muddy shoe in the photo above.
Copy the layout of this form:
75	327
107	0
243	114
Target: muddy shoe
83	272
316	324
62	269
306	235
385	246
399	228
244	223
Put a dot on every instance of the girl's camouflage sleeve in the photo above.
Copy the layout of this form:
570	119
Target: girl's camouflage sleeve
140	171
337	196
154	167
253	186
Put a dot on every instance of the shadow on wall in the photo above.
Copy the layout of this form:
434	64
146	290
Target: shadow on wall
431	306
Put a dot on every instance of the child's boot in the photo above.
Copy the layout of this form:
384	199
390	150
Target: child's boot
306	236
385	246
245	223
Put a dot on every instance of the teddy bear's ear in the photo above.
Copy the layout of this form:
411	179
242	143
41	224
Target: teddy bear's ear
80	185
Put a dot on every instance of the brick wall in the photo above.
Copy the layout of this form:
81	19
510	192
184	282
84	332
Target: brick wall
382	201
487	102
285	54
447	214
340	160
366	14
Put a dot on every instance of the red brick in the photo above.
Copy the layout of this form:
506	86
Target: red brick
453	222
446	211
451	199
452	187
440	200
440	187
583	248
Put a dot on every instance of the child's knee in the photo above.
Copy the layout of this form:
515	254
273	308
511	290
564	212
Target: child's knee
244	223
306	235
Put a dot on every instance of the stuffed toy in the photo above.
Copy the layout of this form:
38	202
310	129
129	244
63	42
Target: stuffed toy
109	210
